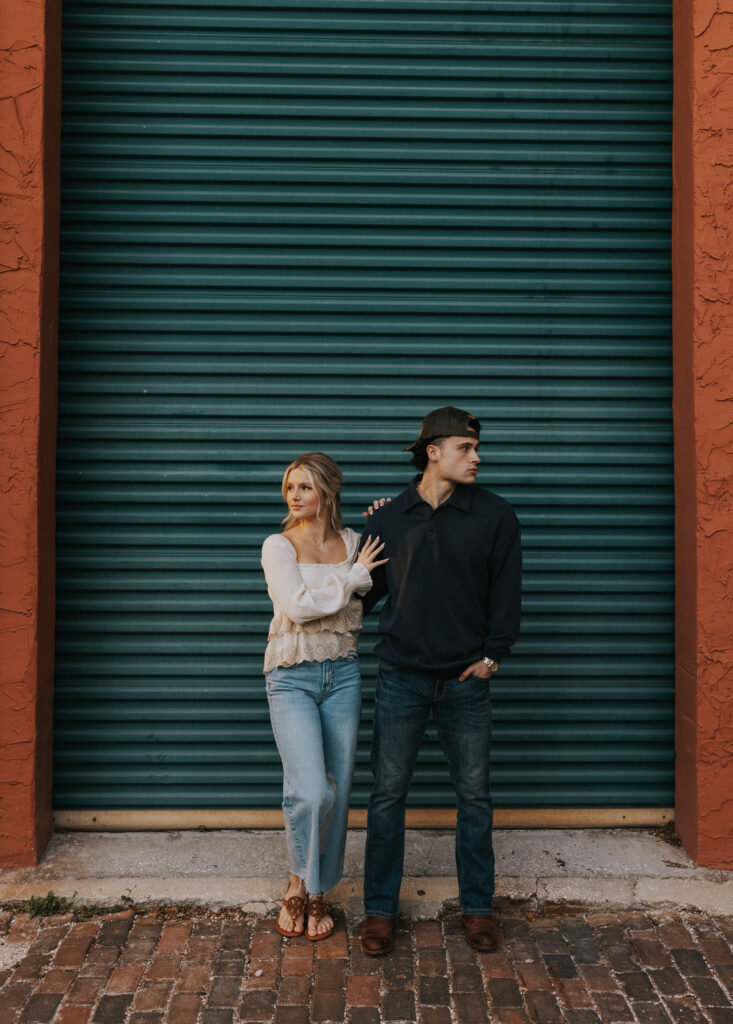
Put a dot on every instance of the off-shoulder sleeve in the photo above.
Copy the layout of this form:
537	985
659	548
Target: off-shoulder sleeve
289	592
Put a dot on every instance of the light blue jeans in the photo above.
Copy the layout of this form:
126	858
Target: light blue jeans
314	710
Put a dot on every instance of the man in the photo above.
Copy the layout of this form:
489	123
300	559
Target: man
453	582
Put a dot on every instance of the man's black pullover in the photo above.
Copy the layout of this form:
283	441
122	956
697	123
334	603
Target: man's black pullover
453	579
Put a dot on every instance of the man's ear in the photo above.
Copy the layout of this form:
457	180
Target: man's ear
432	451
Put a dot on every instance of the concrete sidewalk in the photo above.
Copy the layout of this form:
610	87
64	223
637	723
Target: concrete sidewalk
246	869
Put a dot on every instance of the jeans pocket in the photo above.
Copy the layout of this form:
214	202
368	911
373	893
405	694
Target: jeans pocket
273	679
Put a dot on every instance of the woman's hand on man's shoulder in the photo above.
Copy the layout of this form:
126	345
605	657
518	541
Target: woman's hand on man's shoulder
378	503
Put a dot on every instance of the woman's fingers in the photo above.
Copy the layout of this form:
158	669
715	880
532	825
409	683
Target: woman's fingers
370	566
369	553
377	503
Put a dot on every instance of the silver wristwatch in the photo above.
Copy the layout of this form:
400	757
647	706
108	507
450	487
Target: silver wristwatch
489	662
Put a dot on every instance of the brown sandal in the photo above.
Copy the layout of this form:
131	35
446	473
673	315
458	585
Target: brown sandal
295	906
317	910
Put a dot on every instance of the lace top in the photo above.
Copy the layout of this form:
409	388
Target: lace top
316	615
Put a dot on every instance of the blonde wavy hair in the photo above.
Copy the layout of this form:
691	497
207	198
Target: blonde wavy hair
326	479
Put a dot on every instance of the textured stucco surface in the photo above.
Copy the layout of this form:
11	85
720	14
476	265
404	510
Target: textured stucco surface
704	427
713	374
28	211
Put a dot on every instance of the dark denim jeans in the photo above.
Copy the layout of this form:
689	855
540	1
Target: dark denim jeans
463	717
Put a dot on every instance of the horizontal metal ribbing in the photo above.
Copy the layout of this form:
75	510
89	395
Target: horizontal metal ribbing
301	226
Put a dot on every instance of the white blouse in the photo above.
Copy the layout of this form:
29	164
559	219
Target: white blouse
316	615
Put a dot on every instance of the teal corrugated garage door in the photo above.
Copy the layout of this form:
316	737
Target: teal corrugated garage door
296	226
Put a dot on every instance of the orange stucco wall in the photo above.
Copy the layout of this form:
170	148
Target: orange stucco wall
703	328
29	211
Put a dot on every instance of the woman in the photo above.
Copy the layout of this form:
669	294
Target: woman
313	682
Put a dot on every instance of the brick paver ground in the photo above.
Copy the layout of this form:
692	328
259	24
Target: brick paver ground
197	967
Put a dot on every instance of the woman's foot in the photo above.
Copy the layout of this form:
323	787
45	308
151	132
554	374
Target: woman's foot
291	919
320	922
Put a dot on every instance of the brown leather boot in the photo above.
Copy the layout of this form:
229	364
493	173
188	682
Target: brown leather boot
481	932
377	935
